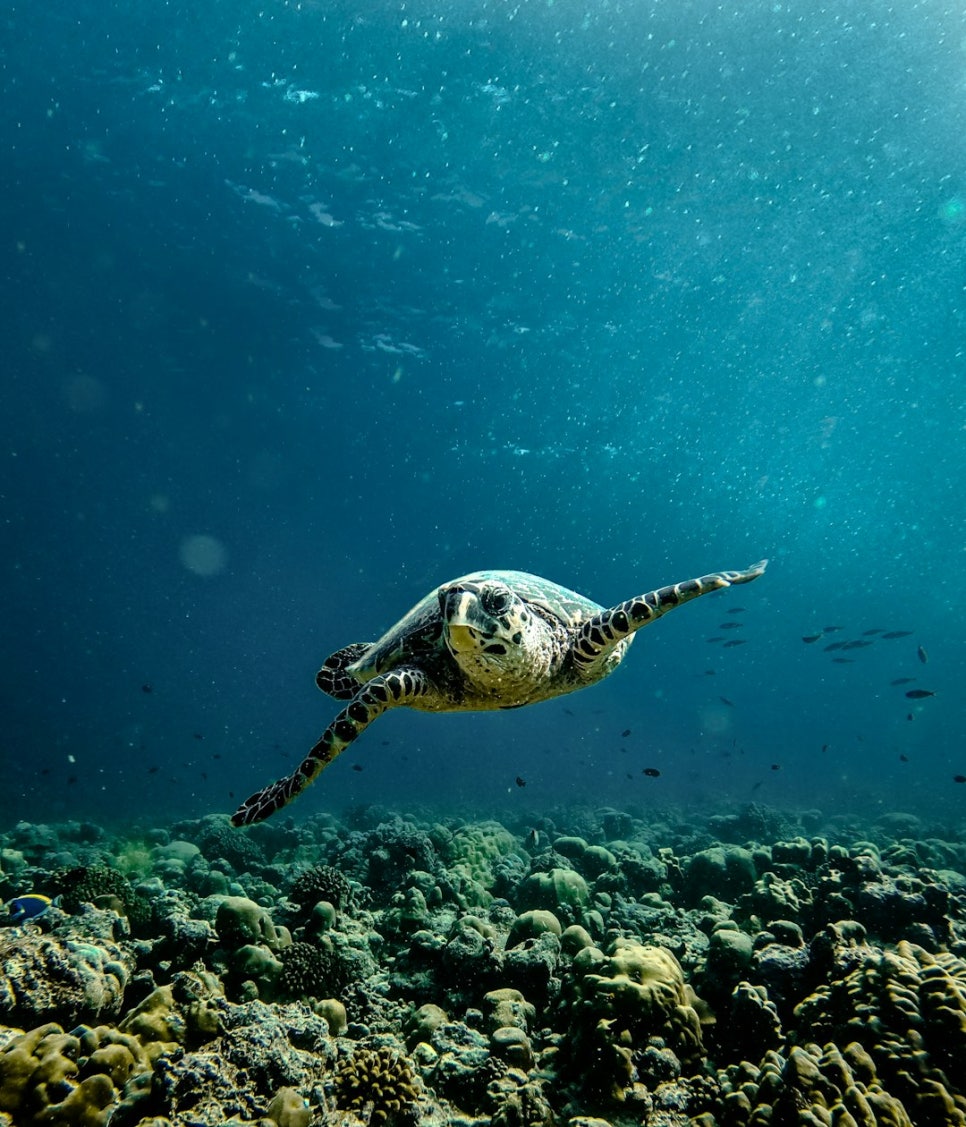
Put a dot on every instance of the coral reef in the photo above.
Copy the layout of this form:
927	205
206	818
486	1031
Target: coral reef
44	978
678	974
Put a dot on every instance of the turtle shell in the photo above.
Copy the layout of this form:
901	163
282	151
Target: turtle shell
420	631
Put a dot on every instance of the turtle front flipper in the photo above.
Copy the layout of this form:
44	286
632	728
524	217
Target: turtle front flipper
600	635
333	679
395	689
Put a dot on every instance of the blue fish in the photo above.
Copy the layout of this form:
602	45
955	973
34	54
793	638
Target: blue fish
29	907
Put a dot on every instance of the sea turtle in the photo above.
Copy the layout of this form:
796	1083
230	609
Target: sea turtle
493	639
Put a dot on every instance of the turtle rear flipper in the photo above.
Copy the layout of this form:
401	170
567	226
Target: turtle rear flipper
602	634
333	679
395	689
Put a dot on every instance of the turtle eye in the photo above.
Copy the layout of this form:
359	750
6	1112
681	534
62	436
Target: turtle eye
496	602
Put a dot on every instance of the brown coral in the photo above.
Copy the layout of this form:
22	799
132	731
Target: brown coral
908	1009
379	1083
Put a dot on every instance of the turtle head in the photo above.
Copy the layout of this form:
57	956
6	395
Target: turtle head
482	618
504	650
486	627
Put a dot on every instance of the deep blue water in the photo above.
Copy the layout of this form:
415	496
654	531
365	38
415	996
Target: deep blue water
370	296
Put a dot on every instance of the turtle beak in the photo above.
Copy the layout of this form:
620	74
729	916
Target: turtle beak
458	606
462	638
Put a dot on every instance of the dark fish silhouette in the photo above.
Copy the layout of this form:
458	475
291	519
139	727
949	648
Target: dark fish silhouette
824	747
903	758
809	638
147	688
712	640
734	642
897	634
737	610
651	772
857	644
922	655
356	766
959	778
625	733
729	703
776	767
919	694
902	681
521	782
833	646
728	625
874	630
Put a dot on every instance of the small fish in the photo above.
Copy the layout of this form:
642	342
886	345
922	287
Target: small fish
833	646
922	655
729	625
198	735
153	770
625	733
874	630
651	772
919	694
521	782
709	673
533	839
809	638
897	634
711	641
737	610
29	907
902	681
959	778
903	758
356	766
756	786
734	642
729	703
856	644
824	747
147	689
908	715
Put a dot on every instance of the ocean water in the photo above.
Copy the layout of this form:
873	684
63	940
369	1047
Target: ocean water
312	306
